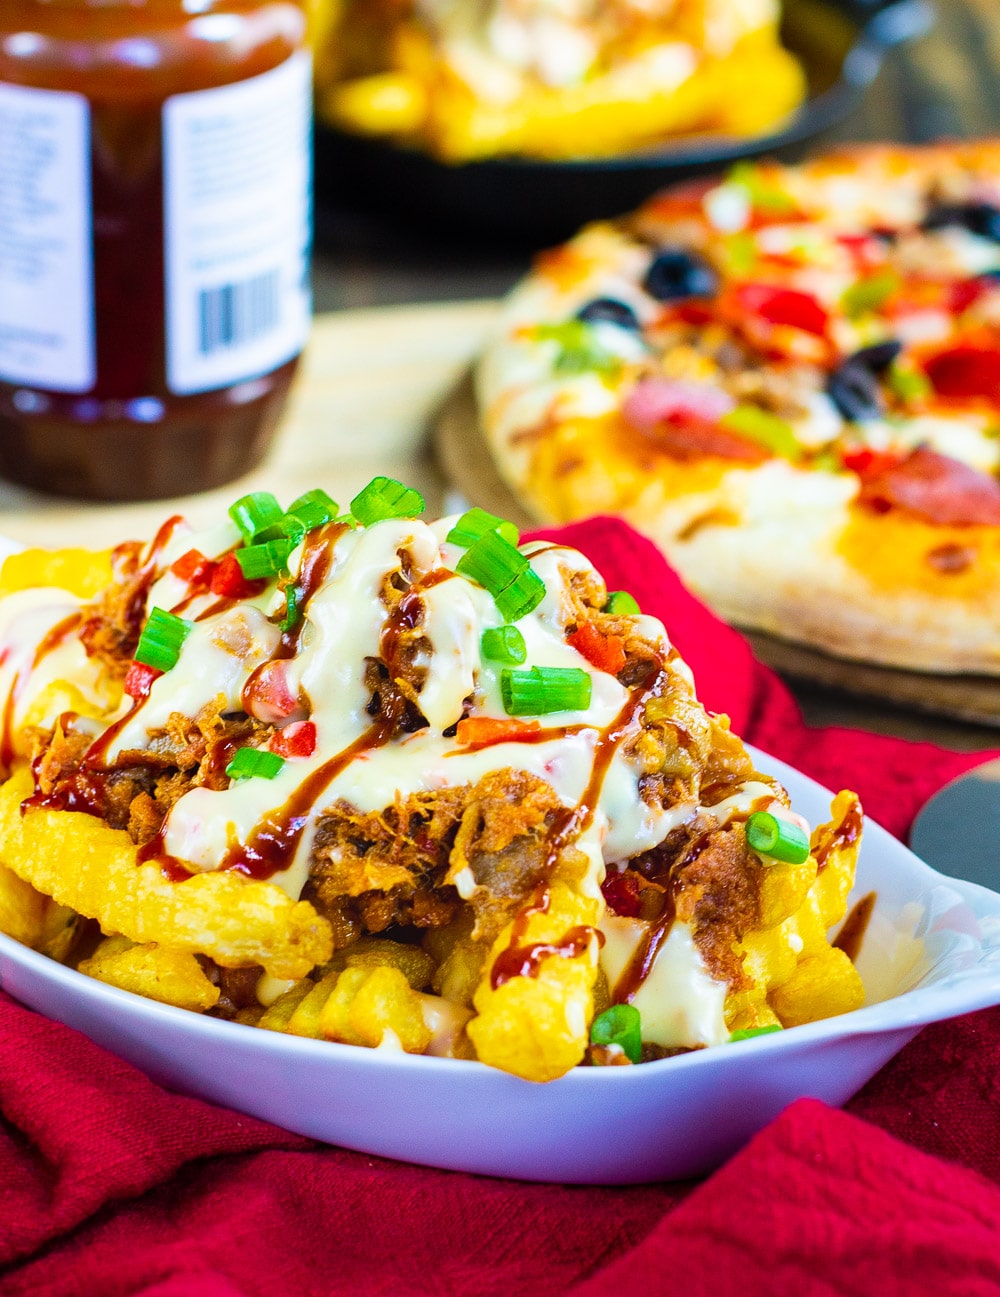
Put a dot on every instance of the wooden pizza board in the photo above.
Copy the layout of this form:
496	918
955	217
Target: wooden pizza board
465	460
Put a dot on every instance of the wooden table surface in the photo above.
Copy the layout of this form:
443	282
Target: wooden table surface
373	378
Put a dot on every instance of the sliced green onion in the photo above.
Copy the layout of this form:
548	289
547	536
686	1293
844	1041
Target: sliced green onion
477	522
161	639
766	429
293	613
545	689
248	763
763	193
909	384
619	1025
504	644
779	839
748	1033
492	561
290	528
314	508
869	294
522	596
264	560
253	512
621	604
578	350
384	497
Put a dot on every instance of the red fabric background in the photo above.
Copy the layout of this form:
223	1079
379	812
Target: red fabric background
110	1185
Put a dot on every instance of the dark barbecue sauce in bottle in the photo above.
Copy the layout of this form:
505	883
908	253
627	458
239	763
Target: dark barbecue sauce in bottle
154	239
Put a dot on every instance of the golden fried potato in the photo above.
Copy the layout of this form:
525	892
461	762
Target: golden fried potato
787	960
822	986
170	976
83	863
279	1014
537	1027
33	919
370	1004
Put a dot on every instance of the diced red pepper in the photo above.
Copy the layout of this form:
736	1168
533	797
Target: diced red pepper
621	891
194	568
786	306
295	740
966	292
867	462
606	652
139	679
968	370
484	731
229	582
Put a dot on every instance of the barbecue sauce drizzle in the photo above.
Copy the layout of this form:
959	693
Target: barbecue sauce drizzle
519	960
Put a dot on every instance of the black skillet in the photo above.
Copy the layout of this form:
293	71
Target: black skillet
841	44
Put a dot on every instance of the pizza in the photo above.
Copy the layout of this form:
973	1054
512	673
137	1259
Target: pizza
788	378
551	78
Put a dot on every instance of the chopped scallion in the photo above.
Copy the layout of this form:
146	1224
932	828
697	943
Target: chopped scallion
384	497
621	604
254	512
290	528
909	384
264	560
314	508
492	561
475	523
620	1025
522	596
867	295
780	839
161	639
292	611
504	644
249	763
748	1033
766	429
545	689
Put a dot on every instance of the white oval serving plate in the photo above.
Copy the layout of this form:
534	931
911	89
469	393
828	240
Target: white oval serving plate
932	951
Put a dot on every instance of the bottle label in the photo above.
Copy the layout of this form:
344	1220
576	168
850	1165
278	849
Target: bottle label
237	222
46	259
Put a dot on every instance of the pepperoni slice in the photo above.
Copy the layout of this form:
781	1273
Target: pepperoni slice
969	370
937	488
680	420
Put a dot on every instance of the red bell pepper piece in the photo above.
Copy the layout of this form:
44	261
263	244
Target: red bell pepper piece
786	306
139	679
229	582
606	652
968	370
484	731
194	568
295	740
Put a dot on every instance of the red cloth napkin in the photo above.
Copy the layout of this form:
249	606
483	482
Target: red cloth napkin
110	1185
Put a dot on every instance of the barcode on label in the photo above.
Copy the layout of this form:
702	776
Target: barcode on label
230	315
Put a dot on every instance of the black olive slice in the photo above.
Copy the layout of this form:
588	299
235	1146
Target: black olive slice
854	390
979	218
608	310
676	274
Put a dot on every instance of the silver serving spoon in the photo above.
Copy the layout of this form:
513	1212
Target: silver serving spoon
958	830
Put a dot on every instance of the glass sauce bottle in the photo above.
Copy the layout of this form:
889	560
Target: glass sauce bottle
155	216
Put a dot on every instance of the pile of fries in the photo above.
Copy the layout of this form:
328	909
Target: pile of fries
535	78
402	786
